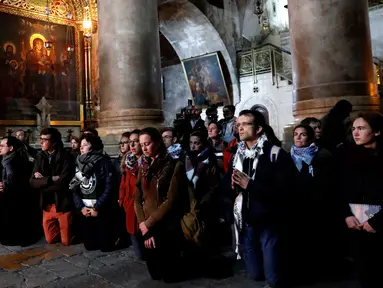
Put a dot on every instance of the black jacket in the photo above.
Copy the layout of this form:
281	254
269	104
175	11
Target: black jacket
267	197
106	194
316	196
16	179
361	181
58	192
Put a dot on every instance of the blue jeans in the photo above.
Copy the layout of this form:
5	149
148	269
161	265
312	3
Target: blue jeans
138	246
262	254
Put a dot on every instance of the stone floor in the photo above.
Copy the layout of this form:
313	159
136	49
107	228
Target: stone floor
50	266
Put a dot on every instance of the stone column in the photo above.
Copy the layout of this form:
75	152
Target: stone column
332	58
129	59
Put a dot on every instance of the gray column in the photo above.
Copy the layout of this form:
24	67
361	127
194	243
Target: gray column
332	58
129	59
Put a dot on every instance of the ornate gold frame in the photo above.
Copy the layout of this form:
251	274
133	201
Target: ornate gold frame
220	69
77	40
53	123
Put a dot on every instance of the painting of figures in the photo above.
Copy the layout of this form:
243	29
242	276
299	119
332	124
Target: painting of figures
36	60
206	81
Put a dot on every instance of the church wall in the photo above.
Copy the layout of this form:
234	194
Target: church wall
376	24
176	92
278	101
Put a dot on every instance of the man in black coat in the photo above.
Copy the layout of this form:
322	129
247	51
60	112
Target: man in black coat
54	169
16	199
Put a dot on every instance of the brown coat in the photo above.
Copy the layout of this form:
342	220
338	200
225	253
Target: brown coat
163	201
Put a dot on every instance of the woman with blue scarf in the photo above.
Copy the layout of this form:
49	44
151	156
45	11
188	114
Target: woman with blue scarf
315	206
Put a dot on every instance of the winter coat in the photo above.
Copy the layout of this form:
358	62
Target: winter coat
267	197
58	193
361	175
126	199
103	176
161	199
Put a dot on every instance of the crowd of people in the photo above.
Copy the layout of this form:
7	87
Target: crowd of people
179	197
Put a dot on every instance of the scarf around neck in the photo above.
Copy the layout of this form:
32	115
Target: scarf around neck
175	150
133	163
86	162
253	153
304	154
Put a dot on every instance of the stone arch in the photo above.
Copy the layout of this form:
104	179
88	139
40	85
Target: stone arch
268	104
191	34
263	110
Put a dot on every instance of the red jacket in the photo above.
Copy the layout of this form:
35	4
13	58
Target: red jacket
127	191
227	154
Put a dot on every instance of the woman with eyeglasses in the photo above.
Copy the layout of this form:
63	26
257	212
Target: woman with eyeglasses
128	189
160	203
92	189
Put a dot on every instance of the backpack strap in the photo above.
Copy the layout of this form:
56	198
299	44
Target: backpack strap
274	152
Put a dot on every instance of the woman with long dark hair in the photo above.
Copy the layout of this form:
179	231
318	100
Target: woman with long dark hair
160	203
361	184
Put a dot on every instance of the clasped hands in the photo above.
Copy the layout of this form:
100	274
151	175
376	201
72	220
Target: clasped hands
239	178
149	243
89	212
353	223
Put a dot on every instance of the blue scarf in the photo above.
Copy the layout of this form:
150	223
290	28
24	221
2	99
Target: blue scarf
304	154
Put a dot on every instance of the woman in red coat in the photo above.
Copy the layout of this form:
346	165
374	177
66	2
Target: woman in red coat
128	189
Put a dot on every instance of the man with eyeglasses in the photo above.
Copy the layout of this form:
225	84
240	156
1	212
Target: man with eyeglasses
16	203
170	140
54	169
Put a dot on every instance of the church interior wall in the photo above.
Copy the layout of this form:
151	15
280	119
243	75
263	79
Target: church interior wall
278	101
176	92
376	24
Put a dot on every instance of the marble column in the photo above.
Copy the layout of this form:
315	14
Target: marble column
129	66
332	58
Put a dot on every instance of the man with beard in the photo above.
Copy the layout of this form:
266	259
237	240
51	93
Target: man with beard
16	197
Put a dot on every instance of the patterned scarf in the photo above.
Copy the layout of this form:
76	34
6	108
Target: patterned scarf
195	163
242	153
132	163
86	162
175	150
253	153
304	154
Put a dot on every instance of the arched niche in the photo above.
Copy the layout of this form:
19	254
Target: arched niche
191	34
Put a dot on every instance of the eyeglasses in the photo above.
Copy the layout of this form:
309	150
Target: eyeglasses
123	142
44	139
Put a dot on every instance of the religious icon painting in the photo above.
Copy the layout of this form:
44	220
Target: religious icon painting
206	80
30	69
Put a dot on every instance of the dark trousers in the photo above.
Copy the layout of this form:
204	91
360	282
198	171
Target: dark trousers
262	254
368	253
99	232
138	245
20	222
164	262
